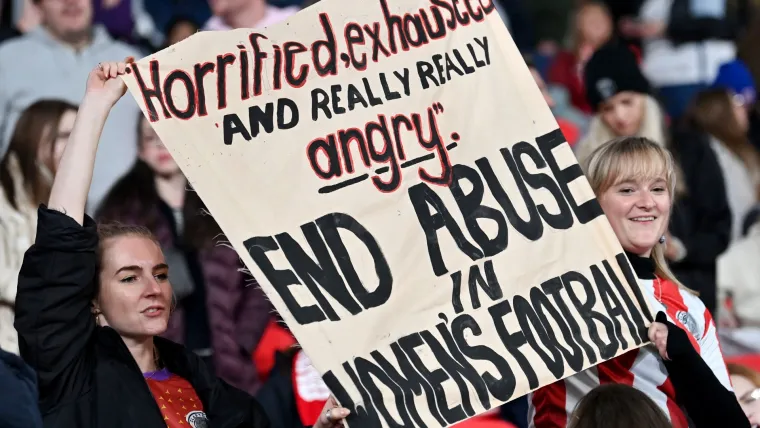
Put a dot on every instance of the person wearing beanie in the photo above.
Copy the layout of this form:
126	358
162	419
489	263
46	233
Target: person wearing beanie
700	227
736	77
619	95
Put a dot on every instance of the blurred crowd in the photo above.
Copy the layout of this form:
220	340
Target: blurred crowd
679	72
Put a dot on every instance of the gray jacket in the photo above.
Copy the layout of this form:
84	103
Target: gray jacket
36	66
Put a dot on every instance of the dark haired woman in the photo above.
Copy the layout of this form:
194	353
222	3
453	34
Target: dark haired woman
218	315
617	406
26	174
722	116
92	302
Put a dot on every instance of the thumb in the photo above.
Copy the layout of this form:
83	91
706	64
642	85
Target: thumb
661	318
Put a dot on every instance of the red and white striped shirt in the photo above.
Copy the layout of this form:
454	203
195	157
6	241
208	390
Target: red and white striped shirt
552	405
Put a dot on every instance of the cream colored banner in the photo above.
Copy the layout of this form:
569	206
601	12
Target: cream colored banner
391	175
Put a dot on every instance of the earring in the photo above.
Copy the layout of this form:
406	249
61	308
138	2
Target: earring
662	239
96	313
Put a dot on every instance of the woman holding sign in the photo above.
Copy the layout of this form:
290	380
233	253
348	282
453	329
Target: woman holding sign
700	224
92	300
634	179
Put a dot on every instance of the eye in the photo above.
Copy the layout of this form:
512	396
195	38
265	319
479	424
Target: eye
659	189
162	276
626	190
128	279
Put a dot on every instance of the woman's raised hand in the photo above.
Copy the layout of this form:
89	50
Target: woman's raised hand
104	83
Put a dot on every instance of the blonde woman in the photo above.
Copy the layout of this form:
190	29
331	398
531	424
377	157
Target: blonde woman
634	180
700	227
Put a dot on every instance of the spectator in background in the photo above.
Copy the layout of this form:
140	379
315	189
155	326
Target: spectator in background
592	29
550	23
738	282
180	28
26	174
625	12
128	21
53	61
700	220
218	316
621	98
569	130
164	11
617	406
736	77
232	14
722	116
18	387
747	386
684	44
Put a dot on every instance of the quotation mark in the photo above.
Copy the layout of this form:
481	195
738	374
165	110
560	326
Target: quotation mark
438	108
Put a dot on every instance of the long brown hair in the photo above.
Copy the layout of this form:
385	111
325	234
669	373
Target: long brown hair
744	371
137	189
617	406
36	127
713	113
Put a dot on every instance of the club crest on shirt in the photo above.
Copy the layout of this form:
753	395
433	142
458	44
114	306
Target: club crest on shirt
690	323
197	419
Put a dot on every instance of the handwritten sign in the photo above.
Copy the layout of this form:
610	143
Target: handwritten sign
389	172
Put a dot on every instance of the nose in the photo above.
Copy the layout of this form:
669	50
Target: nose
645	201
152	287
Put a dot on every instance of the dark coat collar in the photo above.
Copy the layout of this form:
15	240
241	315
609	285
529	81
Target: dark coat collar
643	266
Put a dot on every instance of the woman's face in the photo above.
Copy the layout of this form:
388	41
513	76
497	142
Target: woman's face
743	388
154	153
51	156
135	295
623	113
638	210
594	26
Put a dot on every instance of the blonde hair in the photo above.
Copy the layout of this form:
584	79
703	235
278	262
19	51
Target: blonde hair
652	128
628	158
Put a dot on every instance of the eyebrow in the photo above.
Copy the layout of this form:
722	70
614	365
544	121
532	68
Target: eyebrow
138	268
128	268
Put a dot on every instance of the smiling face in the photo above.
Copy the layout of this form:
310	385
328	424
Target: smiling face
633	179
638	209
134	295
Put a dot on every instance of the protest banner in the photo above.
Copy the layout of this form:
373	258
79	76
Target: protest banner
391	175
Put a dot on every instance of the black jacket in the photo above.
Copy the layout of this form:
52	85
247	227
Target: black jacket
701	218
87	377
685	28
708	403
18	387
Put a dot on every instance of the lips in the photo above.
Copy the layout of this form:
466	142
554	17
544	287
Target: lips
153	310
643	219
